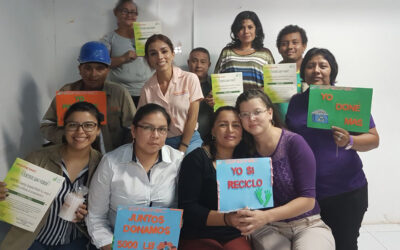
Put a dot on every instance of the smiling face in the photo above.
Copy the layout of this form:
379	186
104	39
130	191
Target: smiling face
227	129
317	71
291	47
126	14
160	56
149	142
78	138
199	63
247	33
255	116
93	75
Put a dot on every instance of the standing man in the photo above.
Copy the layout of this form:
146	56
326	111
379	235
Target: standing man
199	63
291	42
94	65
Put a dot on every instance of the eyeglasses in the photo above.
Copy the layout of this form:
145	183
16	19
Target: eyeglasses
149	128
86	126
126	12
247	115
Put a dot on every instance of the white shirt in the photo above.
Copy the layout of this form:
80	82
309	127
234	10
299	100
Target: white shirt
119	180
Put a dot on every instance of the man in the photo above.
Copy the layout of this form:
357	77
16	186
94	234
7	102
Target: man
291	42
94	66
199	63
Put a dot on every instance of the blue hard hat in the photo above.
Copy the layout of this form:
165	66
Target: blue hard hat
94	52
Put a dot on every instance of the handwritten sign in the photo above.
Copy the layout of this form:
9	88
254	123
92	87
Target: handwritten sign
64	99
348	108
142	31
244	183
147	228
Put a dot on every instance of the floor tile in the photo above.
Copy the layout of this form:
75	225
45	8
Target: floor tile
391	240
367	242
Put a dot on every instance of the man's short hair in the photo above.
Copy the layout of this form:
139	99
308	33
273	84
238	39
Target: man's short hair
201	49
291	29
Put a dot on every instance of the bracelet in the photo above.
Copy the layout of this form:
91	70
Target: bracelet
350	144
226	223
184	144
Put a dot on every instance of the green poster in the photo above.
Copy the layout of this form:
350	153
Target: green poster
143	30
344	107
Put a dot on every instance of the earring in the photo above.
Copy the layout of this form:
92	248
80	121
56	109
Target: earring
212	138
272	122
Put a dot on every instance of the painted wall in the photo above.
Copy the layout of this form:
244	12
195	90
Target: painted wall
41	39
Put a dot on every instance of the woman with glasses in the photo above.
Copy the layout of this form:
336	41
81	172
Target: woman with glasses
204	228
178	91
76	161
128	69
142	173
294	221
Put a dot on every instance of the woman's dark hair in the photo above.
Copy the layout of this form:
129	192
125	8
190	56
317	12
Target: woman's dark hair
157	37
84	107
276	121
118	5
149	109
327	55
209	141
258	42
289	29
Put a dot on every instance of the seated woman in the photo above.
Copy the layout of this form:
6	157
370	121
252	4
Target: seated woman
246	52
142	173
76	161
294	221
204	227
341	183
178	91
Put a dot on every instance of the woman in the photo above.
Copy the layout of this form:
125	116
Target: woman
76	161
142	173
204	227
246	52
128	69
341	183
294	221
179	92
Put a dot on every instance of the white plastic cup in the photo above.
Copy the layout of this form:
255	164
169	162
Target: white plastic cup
71	204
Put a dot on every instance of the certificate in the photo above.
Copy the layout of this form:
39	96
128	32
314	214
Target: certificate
144	30
64	99
226	87
280	81
244	183
147	227
31	190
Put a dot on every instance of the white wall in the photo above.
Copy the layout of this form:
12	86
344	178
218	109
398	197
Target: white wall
41	39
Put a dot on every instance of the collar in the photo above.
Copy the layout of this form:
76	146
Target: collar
106	87
129	156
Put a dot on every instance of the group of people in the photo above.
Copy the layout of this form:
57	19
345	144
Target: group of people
164	153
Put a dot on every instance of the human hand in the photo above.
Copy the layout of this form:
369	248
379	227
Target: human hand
3	191
251	220
107	247
209	100
340	136
80	213
130	55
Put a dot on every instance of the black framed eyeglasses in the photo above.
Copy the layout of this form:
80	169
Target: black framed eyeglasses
150	128
86	126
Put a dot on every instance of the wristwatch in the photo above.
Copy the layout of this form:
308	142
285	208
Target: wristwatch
350	144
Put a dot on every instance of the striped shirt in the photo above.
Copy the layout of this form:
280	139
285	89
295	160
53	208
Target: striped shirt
56	230
251	65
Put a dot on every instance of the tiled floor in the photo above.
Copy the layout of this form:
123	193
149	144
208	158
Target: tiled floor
379	237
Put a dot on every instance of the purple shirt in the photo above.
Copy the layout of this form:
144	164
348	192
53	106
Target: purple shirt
293	165
336	174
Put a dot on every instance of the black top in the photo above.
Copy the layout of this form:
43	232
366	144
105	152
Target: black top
197	195
205	111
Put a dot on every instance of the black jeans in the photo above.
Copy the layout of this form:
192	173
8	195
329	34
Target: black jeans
344	213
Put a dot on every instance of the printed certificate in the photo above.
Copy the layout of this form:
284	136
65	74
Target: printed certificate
144	30
226	87
280	81
31	191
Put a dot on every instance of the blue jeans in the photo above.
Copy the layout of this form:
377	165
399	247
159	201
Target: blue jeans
195	142
77	244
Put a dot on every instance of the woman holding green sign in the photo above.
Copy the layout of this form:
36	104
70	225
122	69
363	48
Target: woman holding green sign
127	68
76	161
341	184
294	222
204	227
